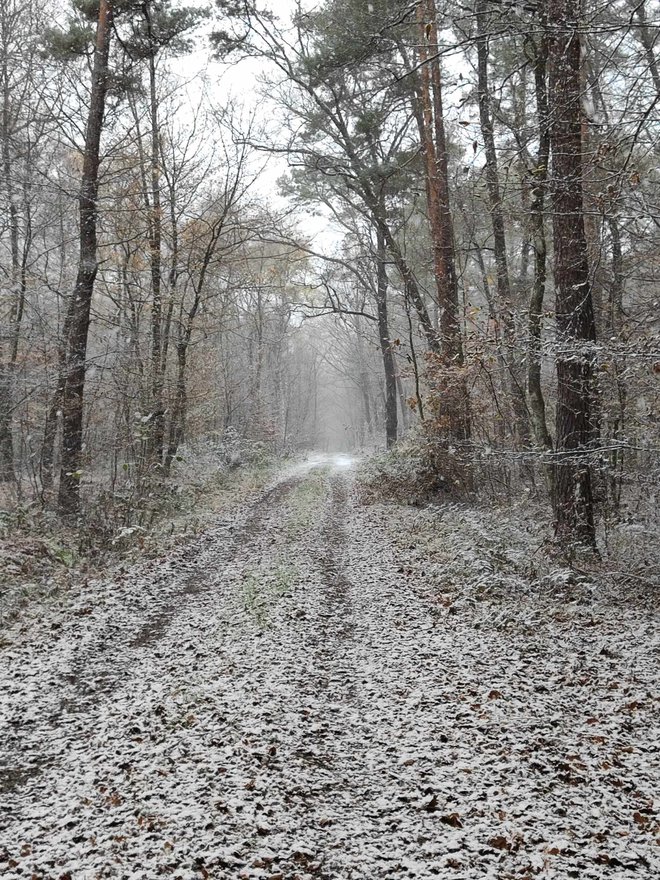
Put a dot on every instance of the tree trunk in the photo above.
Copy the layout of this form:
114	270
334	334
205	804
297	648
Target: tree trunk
47	457
647	41
537	223
413	293
430	122
180	407
614	326
515	376
81	300
403	404
391	427
576	332
10	315
363	378
497	384
49	441
155	248
450	388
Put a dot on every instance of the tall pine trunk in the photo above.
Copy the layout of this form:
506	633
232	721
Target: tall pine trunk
576	331
431	125
449	384
81	300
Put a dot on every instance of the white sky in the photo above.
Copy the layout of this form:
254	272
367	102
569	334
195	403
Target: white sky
237	81
240	81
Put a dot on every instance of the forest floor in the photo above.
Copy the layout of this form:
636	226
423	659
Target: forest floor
40	556
318	688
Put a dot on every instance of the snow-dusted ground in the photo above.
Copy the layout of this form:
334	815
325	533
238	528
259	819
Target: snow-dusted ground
316	689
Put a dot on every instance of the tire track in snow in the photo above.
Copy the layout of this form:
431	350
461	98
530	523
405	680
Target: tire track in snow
348	732
104	662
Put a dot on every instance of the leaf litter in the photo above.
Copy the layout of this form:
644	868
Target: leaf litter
320	689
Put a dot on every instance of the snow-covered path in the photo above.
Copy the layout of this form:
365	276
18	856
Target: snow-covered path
295	695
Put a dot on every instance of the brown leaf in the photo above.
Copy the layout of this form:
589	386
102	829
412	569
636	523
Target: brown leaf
432	805
453	819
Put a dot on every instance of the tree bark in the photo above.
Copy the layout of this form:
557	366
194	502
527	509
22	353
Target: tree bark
363	378
515	376
51	423
450	388
576	332
177	425
430	122
155	250
539	245
11	314
614	324
81	299
389	367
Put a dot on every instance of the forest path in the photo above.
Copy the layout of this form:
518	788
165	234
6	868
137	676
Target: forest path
290	697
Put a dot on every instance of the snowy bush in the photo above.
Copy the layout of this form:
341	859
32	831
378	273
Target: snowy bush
419	469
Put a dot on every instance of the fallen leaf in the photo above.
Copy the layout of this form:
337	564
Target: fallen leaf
452	819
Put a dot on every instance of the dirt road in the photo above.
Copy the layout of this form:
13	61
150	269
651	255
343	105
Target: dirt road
294	695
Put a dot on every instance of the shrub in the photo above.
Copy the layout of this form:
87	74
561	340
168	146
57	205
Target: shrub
422	468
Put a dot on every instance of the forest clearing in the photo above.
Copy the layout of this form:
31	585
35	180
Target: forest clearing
329	439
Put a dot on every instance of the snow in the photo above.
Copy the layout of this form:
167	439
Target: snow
315	688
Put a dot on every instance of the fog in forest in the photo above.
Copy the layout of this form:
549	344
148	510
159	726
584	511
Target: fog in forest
329	439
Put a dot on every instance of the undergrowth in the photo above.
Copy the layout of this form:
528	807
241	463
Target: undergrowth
421	474
40	555
418	470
